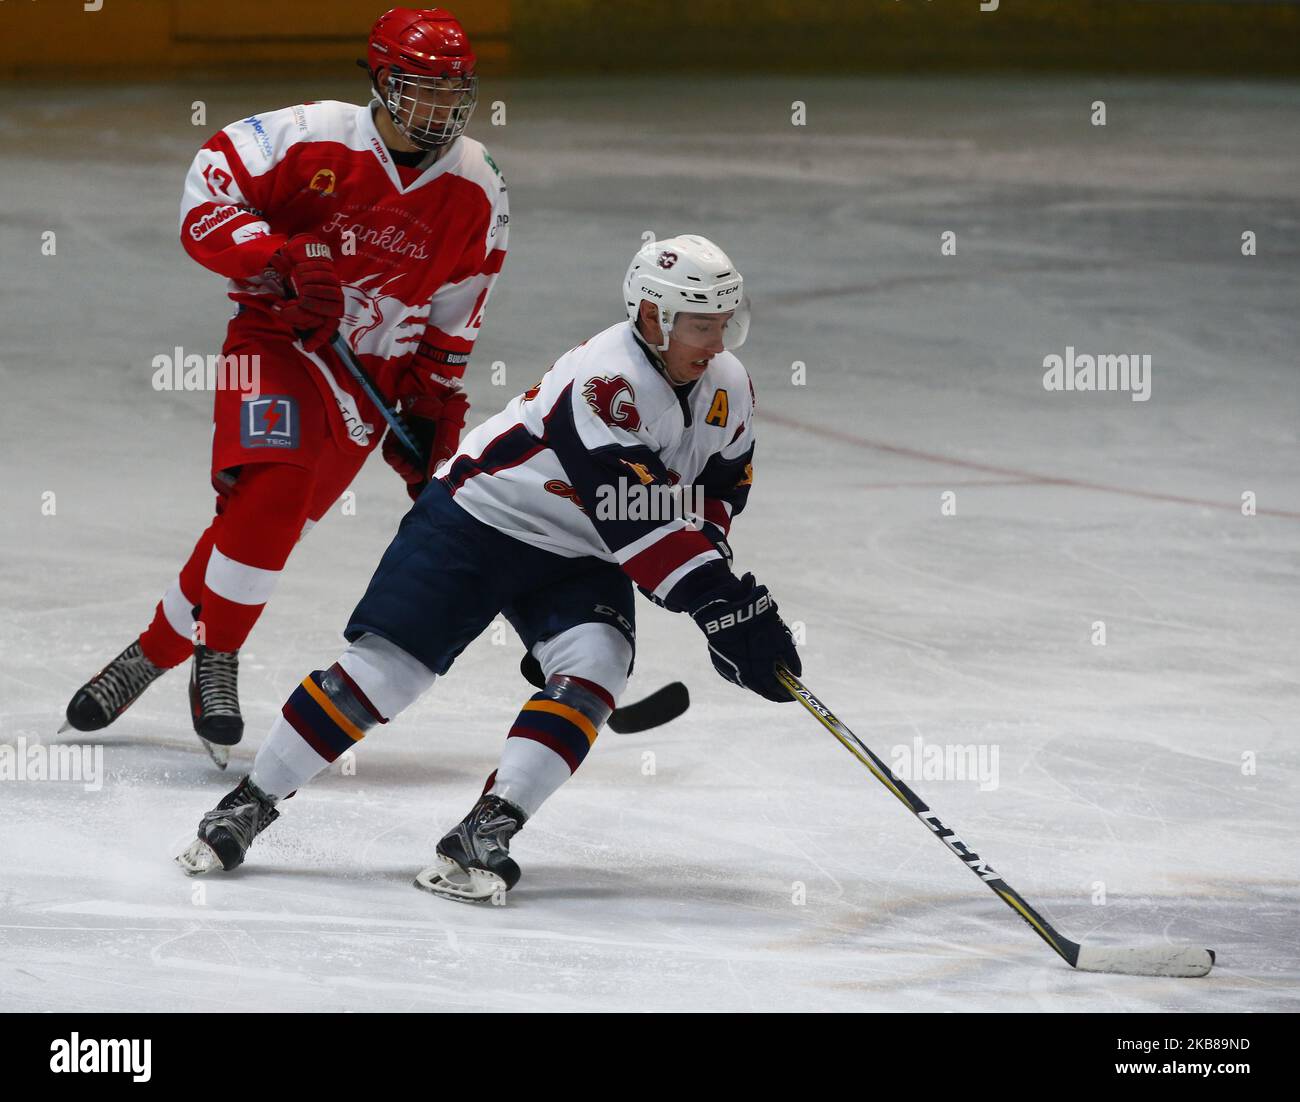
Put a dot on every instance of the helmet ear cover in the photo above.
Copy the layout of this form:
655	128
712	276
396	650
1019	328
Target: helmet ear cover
663	318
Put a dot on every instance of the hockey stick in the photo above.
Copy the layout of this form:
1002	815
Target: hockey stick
660	707
1156	960
354	368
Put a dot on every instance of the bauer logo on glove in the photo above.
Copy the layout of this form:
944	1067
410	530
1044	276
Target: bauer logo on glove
740	615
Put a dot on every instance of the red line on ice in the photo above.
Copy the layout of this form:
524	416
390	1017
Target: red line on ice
1008	472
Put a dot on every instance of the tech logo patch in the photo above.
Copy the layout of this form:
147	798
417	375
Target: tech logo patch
611	400
270	421
667	259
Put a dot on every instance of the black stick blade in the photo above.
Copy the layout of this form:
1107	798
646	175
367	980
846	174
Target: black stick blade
658	708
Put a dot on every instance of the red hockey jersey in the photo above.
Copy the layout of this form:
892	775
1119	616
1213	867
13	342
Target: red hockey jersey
417	250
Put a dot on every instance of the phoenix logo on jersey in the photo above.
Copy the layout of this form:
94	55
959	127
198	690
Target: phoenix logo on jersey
324	181
605	396
374	317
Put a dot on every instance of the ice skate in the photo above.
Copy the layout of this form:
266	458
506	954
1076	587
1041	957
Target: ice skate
214	702
474	861
111	691
226	832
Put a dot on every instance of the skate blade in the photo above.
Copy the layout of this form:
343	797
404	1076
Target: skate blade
449	880
218	753
199	858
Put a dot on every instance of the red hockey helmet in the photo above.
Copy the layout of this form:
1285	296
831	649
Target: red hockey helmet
429	85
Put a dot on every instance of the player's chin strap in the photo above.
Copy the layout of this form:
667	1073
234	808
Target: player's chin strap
660	707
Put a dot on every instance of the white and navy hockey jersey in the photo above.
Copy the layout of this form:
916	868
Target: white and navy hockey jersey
571	464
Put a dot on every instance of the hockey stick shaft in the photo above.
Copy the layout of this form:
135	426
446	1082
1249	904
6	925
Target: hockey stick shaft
354	368
1066	949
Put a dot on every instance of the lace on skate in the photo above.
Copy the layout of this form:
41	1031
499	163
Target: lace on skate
219	683
122	680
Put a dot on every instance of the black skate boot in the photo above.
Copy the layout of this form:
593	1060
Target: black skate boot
214	701
112	691
474	861
226	832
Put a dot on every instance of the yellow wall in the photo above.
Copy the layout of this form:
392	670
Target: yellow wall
141	39
810	36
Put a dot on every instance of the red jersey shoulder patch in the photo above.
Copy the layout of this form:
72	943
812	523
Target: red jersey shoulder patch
611	399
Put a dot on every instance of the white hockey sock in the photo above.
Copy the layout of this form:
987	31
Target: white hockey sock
285	762
331	711
529	774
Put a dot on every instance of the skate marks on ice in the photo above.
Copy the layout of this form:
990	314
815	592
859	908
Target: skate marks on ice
539	953
610	914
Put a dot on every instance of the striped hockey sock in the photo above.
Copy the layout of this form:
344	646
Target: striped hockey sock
324	717
548	741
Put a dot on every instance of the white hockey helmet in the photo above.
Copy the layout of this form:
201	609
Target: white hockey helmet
687	274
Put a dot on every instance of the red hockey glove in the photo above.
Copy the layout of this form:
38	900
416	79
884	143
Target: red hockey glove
313	301
436	424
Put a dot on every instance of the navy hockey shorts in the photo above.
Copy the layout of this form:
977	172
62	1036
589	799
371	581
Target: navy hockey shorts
446	576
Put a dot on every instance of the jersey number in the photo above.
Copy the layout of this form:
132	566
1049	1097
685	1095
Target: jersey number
218	181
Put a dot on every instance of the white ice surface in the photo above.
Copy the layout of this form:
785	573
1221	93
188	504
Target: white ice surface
1120	765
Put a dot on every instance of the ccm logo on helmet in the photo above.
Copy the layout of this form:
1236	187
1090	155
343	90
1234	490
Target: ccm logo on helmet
739	616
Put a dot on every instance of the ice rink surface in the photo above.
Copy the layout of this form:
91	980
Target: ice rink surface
1146	790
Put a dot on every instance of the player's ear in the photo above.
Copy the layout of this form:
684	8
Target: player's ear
648	317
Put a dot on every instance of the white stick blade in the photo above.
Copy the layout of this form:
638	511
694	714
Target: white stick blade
1156	960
